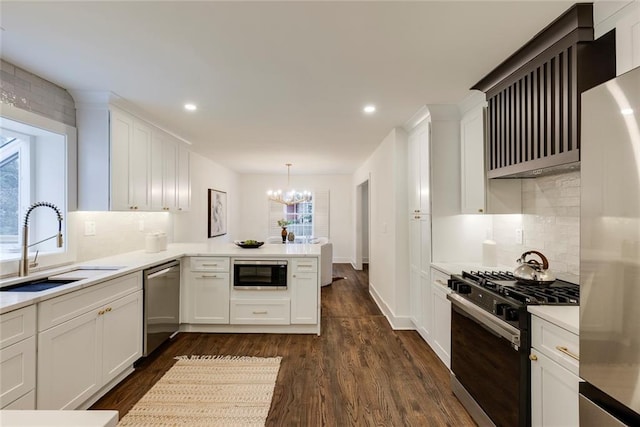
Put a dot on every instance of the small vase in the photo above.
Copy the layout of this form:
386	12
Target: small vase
284	234
291	237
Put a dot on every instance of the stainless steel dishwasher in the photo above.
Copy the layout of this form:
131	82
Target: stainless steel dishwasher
161	304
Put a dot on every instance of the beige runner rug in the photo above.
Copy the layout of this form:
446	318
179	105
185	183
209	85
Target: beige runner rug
209	391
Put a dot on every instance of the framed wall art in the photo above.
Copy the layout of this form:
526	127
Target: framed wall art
217	213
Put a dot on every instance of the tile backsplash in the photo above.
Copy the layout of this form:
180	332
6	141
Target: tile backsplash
550	223
116	232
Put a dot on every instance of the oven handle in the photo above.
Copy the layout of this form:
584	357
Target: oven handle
488	321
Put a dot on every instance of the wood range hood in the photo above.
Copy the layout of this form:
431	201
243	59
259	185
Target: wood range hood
533	113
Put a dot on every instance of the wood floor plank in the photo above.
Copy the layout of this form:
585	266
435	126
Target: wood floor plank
359	372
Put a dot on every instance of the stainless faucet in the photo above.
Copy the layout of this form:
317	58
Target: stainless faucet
24	259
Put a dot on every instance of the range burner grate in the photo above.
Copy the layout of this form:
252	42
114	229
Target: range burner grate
504	283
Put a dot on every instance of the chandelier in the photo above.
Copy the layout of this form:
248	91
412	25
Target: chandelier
290	196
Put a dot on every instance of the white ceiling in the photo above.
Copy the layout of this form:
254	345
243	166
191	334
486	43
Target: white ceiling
275	82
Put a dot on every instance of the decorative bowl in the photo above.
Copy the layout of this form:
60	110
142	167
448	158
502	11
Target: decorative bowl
254	244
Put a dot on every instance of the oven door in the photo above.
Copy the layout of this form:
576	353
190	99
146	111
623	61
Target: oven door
487	365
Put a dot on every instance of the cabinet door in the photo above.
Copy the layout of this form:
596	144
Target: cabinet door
304	298
419	169
628	39
472	162
414	270
170	175
184	179
441	311
121	129
156	164
209	297
17	370
139	159
554	393
69	358
122	335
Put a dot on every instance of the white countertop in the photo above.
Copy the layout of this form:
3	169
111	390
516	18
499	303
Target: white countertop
564	316
40	418
139	260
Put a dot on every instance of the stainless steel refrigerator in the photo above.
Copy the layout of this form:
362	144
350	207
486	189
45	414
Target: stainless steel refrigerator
610	253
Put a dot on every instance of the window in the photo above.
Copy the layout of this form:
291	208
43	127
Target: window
307	219
33	168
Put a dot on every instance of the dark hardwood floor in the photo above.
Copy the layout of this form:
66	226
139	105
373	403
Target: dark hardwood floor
359	372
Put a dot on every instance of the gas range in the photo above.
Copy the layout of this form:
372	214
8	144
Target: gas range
502	295
490	338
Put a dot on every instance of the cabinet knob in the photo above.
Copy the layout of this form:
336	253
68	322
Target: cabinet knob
533	357
101	312
480	210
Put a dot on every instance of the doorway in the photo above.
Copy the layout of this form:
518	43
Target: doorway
362	226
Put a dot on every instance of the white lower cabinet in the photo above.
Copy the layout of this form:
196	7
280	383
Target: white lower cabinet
18	359
78	357
304	291
554	375
206	290
209	297
440	313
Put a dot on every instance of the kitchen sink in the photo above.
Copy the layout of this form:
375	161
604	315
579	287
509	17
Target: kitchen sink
37	285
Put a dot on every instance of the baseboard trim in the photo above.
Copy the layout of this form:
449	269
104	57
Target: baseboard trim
396	322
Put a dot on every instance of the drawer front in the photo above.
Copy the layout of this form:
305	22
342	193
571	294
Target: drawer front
58	310
17	325
260	312
220	264
302	265
557	343
17	370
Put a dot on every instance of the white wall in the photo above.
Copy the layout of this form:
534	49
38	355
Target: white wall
253	214
192	226
388	273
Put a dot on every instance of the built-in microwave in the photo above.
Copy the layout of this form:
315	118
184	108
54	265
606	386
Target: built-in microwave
259	274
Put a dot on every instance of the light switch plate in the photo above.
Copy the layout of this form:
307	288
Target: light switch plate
519	236
89	228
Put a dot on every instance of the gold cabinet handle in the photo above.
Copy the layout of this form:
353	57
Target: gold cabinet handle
108	309
101	312
566	351
260	312
533	357
208	276
440	282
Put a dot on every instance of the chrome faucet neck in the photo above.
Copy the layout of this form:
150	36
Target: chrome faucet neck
23	268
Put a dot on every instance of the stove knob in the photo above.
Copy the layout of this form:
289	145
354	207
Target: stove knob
464	288
511	313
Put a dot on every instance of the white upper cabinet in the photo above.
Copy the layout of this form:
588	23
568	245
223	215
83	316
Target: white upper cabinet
626	21
164	172
130	162
472	177
125	163
477	193
419	202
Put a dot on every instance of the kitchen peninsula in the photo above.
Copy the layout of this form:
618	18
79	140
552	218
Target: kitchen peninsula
100	309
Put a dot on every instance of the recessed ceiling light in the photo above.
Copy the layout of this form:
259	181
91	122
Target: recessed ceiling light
369	109
190	107
627	111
